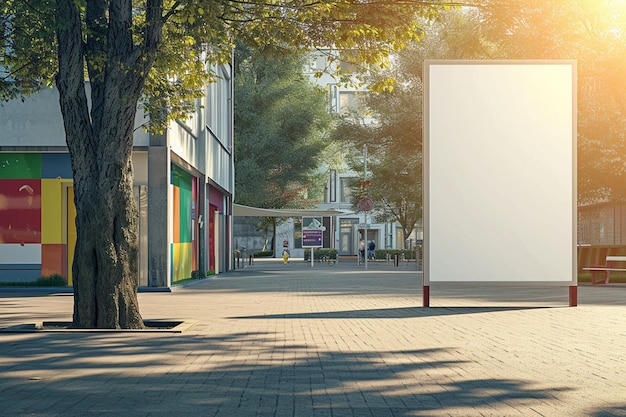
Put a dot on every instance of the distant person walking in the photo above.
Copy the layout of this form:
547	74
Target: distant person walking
285	252
362	250
371	250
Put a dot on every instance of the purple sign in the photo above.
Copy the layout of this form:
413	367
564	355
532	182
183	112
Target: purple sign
312	238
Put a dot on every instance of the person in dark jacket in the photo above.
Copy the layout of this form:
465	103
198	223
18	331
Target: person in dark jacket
371	247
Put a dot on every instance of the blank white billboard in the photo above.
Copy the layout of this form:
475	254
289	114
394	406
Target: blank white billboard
500	172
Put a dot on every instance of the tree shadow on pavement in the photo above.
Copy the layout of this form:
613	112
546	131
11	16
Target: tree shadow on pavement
618	410
243	374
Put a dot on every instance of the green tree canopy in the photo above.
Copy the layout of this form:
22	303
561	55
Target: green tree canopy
168	41
281	129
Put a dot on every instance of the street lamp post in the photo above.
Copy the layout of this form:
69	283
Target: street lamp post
365	216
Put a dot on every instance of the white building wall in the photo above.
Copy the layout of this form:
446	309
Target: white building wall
37	122
219	136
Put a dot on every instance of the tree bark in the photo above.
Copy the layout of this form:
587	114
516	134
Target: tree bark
100	142
105	260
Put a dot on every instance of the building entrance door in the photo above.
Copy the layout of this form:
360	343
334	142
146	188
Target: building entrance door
346	236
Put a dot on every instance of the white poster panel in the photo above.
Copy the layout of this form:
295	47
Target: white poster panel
500	172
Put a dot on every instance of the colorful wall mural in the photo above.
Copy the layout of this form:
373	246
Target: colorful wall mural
37	229
184	246
33	215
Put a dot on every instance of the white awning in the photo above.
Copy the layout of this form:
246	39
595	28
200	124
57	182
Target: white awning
239	210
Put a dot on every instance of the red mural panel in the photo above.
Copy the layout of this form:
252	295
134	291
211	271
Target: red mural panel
20	211
211	231
194	223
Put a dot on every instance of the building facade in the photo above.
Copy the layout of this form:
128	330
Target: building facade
183	183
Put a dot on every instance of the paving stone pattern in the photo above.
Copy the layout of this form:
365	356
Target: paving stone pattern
325	341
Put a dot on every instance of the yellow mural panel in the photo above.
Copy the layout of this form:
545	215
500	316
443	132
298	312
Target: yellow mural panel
51	211
175	250
181	261
186	259
71	232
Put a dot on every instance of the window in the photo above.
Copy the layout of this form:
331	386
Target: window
351	103
346	190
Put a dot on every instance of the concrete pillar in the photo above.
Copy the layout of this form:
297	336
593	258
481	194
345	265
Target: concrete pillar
159	200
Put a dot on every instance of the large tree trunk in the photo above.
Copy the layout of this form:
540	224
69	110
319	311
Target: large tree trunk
105	260
100	142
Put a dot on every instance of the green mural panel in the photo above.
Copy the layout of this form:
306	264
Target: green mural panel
20	165
185	215
181	178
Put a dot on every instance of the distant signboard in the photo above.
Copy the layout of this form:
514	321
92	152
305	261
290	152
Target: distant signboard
365	204
312	232
312	223
312	238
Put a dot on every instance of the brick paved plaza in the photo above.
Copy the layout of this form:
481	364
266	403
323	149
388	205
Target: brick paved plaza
332	340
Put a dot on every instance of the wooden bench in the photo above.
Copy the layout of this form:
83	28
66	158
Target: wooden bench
604	271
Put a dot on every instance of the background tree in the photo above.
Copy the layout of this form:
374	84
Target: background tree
281	126
155	51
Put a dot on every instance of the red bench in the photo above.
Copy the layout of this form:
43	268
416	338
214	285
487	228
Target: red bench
604	271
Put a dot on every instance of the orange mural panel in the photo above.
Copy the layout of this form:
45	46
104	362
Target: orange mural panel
176	215
51	259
